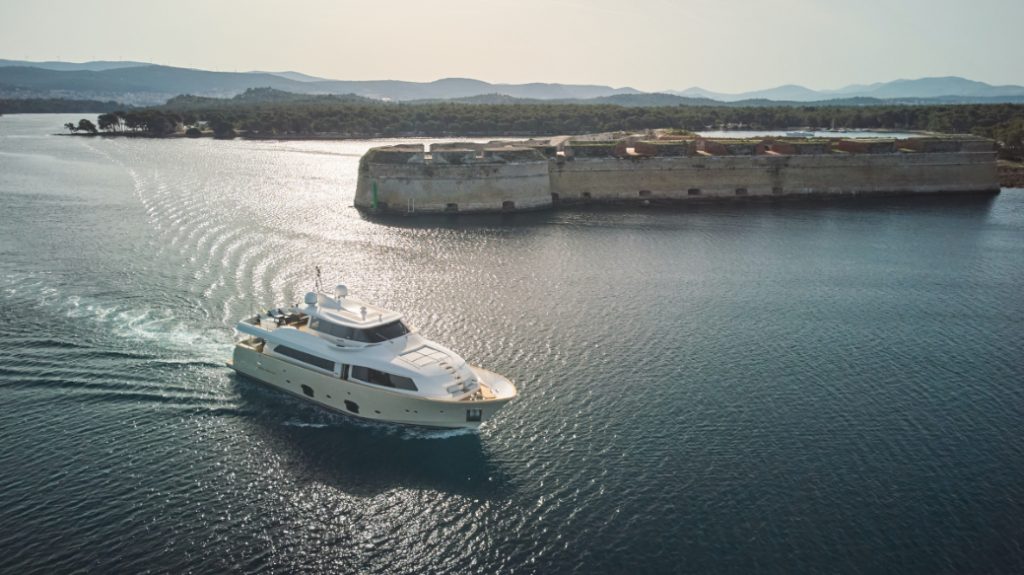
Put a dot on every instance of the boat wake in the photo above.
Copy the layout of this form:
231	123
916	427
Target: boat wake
157	327
146	333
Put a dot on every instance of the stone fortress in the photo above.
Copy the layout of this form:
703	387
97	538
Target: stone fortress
664	166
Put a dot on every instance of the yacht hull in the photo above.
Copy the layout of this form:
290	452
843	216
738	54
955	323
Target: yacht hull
369	401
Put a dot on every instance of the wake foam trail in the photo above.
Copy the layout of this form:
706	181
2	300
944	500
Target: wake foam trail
293	423
151	332
426	433
158	327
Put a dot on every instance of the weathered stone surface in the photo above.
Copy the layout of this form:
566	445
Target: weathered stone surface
591	149
666	148
773	176
798	147
866	146
499	179
503	178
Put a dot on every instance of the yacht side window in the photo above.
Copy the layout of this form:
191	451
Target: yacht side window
367	375
401	382
304	357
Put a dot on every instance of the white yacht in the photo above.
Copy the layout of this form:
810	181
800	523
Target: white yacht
362	360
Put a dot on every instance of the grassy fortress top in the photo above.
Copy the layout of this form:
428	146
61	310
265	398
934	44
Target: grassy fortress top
664	165
670	143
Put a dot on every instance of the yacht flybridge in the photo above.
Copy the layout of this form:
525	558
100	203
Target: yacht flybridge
353	357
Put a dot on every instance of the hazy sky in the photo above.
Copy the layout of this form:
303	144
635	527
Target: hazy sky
723	45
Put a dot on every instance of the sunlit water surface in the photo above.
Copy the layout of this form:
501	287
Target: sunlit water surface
751	388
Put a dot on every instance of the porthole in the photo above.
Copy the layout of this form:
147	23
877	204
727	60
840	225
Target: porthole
307	390
351	406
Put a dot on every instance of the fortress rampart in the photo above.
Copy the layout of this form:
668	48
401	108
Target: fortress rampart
541	174
467	178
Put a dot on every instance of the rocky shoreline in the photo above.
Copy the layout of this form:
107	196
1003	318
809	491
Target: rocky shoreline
1011	174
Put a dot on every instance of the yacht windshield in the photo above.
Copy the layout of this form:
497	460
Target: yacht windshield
386	331
370	335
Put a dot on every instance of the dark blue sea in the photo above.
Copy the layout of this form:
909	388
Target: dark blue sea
792	387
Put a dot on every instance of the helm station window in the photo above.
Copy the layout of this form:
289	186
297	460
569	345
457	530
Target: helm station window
374	334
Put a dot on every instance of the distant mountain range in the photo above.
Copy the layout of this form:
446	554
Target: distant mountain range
96	65
152	84
140	83
942	87
648	100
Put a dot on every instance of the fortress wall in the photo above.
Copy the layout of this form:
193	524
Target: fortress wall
509	178
721	176
666	148
434	187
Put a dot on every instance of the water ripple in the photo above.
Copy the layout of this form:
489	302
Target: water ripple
770	388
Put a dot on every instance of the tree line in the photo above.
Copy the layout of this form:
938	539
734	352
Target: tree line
52	105
257	115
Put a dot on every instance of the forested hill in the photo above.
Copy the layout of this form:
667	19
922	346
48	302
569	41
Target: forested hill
56	105
266	110
262	96
662	99
273	114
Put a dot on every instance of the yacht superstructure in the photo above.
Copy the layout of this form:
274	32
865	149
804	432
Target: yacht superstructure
362	360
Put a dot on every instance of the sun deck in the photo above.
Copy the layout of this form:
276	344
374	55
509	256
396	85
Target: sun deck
362	316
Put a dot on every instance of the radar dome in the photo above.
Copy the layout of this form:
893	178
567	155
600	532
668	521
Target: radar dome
341	290
311	298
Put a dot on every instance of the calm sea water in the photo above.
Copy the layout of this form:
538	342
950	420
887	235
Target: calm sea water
832	387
